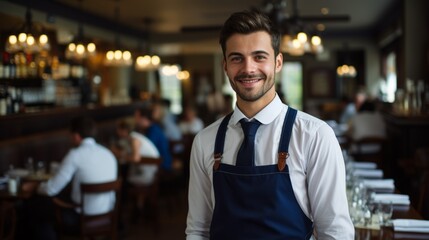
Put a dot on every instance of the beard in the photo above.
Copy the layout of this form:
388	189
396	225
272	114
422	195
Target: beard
249	95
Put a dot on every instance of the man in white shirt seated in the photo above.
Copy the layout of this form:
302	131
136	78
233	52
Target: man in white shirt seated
87	162
368	122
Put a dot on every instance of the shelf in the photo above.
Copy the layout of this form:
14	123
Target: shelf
22	82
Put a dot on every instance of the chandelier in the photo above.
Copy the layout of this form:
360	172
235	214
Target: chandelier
118	57
346	69
147	62
299	44
29	39
79	49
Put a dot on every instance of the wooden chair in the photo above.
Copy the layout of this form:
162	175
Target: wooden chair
146	193
92	226
7	220
369	149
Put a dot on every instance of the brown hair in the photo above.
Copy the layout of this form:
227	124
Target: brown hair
84	126
246	22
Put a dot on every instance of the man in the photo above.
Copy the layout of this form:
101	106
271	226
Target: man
295	186
88	162
145	121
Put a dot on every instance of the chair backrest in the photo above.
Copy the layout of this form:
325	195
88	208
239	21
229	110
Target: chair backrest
156	161
370	149
150	160
7	220
102	224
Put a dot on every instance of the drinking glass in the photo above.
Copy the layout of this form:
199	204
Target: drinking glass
40	168
385	210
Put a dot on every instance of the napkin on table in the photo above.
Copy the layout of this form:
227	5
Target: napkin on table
369	173
411	225
398	199
379	183
364	165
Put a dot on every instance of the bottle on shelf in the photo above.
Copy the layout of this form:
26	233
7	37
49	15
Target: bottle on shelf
6	65
12	64
9	101
3	101
1	67
31	66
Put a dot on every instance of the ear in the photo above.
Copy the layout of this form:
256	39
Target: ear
279	62
224	65
77	138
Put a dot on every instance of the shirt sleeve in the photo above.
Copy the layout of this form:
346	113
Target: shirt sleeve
63	176
200	201
327	188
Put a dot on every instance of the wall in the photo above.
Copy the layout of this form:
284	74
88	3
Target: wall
416	44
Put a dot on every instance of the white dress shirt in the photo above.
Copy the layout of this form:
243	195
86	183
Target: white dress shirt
88	163
315	163
144	173
367	124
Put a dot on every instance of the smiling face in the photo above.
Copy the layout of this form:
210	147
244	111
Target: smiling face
251	67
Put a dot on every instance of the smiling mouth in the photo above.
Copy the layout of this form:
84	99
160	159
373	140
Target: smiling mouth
249	81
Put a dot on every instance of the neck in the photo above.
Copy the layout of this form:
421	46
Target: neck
250	109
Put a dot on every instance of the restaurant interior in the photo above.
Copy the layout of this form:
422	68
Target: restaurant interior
106	58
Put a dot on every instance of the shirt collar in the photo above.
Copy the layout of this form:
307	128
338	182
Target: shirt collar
88	140
265	116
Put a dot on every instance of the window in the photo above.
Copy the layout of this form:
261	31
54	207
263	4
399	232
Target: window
290	84
388	87
171	89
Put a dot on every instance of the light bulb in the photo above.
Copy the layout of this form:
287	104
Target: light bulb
13	39
156	60
80	49
91	47
118	54
110	55
316	40
126	55
302	37
22	37
43	39
72	47
30	40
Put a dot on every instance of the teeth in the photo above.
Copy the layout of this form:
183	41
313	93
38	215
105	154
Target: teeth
250	81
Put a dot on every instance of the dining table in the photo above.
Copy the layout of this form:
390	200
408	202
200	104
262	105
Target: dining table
21	193
372	191
388	232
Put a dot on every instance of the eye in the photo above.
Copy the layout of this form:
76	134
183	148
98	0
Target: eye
260	57
235	59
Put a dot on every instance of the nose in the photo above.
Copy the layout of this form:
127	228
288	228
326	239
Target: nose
249	65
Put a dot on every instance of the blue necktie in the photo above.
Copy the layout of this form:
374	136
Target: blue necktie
246	154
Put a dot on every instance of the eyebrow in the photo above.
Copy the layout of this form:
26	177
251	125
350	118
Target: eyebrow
253	53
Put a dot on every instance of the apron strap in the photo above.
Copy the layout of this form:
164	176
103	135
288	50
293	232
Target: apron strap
220	141
283	153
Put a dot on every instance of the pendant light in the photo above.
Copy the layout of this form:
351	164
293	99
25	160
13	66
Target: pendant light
118	57
147	62
79	48
29	38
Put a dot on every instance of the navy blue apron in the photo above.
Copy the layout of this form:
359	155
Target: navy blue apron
256	202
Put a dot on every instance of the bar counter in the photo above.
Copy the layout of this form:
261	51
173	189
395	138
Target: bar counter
18	125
